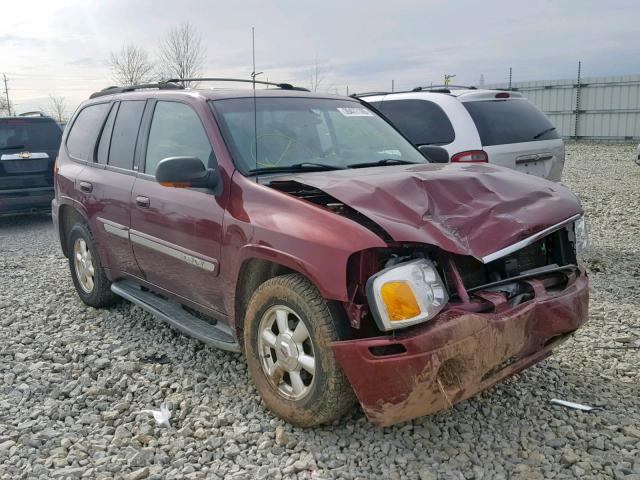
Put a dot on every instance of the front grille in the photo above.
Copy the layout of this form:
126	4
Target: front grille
554	249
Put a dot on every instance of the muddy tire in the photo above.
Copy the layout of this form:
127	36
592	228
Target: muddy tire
86	269
288	329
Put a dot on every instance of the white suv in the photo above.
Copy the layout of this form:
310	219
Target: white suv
473	125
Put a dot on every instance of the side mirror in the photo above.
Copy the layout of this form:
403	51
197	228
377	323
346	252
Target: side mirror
434	154
185	172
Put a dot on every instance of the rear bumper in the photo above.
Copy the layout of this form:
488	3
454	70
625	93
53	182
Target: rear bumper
459	354
26	200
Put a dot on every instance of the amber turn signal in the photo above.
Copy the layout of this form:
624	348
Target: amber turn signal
176	184
400	301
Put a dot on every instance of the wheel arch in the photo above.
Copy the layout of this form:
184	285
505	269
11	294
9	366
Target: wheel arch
68	216
256	270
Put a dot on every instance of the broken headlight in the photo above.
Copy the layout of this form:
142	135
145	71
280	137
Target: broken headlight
405	294
581	236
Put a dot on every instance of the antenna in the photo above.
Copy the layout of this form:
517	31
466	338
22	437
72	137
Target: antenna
254	74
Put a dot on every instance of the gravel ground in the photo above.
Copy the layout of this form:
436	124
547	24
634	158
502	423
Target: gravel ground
74	380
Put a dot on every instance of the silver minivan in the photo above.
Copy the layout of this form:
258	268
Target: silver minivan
472	125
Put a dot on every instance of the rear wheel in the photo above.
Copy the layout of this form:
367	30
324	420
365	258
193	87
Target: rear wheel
87	273
287	337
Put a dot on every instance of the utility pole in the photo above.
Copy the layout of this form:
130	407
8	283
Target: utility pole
510	76
393	86
6	94
578	86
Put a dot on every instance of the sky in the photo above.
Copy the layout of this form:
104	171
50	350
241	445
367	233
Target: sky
62	47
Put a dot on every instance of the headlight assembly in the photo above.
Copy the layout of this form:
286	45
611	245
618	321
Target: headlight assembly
581	233
406	294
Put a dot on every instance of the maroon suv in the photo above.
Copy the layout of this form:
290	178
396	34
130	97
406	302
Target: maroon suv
303	230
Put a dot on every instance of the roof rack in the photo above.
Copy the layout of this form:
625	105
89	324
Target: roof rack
430	88
284	86
169	85
443	87
35	113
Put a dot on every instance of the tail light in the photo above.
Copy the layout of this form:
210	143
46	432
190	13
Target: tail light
472	156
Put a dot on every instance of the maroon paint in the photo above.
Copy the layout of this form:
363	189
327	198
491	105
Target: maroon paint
404	386
108	200
466	209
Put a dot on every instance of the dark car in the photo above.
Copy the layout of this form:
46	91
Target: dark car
28	149
305	231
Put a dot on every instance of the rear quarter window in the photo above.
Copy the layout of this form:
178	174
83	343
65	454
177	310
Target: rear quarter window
421	121
501	122
125	134
82	137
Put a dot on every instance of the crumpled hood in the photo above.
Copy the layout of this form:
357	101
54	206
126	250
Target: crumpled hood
466	209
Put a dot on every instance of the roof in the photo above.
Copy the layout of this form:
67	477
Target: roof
217	93
462	94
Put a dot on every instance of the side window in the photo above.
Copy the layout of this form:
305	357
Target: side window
176	131
82	137
125	134
105	137
423	122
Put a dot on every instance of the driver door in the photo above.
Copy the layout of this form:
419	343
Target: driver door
176	232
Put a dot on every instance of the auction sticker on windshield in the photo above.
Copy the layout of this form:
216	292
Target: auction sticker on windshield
355	112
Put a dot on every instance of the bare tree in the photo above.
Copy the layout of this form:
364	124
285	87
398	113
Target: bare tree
131	65
317	75
58	108
182	53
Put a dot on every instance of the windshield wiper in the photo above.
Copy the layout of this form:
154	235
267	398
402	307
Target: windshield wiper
297	167
535	137
384	161
11	147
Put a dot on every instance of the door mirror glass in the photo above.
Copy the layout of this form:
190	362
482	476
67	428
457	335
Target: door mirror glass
185	172
434	154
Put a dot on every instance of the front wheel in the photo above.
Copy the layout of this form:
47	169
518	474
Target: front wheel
287	335
87	273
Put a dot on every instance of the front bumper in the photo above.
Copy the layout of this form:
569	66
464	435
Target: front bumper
459	354
26	200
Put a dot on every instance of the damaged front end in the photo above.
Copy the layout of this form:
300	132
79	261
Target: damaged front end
483	285
500	318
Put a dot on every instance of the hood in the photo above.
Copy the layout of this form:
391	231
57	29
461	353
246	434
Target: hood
465	209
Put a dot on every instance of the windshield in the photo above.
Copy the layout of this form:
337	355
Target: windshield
31	135
294	132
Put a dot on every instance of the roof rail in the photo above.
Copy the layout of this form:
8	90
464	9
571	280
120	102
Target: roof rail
368	94
131	88
35	113
284	86
430	88
443	87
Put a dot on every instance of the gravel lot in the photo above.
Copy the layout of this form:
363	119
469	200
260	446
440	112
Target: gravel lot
74	379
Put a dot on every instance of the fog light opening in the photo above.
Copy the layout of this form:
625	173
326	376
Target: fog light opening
387	350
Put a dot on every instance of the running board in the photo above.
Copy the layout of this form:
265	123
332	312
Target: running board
218	336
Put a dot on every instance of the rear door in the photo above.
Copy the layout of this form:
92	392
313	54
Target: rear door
515	134
176	232
106	184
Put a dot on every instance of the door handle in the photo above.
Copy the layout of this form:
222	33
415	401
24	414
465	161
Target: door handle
142	202
86	187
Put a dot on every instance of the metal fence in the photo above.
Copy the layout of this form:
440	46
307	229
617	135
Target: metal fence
596	108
